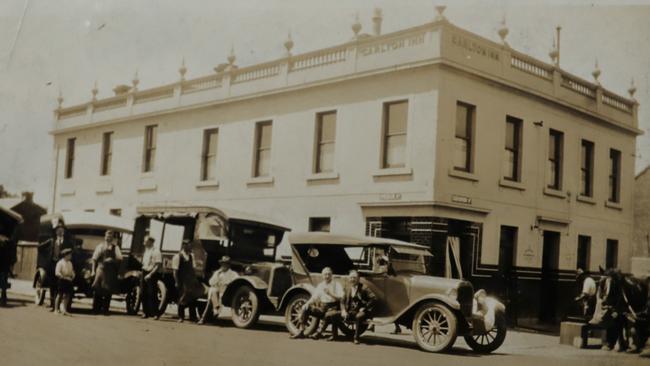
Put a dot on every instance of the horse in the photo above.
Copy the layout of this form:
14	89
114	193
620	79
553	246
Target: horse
624	303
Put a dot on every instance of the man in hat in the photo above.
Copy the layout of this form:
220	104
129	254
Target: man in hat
587	297
219	281
358	303
105	260
53	248
188	285
64	273
151	264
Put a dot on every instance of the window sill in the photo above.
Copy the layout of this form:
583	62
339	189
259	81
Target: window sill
67	192
323	176
614	205
554	192
268	180
208	184
511	184
388	172
585	199
462	175
146	186
148	174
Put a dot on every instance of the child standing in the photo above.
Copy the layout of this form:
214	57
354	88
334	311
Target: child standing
65	275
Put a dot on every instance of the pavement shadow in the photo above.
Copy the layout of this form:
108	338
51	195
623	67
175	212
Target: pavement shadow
15	303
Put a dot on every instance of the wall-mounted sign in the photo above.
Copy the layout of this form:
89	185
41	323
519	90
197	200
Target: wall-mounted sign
390	196
474	47
461	199
392	45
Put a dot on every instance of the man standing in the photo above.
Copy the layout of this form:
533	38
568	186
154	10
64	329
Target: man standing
587	297
358	302
188	285
219	281
53	248
105	260
151	263
324	305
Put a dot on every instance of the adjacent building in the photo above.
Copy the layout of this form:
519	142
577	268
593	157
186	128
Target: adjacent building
514	171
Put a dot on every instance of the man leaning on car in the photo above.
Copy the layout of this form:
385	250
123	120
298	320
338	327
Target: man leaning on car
358	302
323	304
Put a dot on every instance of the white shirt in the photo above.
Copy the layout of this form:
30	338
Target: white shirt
101	247
321	295
589	287
64	270
220	278
150	258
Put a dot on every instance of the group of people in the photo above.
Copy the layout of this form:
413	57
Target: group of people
331	303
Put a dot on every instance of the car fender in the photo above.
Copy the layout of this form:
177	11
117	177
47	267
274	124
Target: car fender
132	274
291	292
252	281
414	305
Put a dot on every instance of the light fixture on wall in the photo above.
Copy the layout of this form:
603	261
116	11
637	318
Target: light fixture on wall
539	123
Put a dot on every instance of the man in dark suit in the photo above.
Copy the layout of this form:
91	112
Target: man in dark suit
358	302
52	249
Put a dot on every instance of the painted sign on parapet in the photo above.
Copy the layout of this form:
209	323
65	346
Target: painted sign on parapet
474	47
392	45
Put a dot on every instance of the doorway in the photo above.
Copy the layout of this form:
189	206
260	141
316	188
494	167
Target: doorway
549	277
507	278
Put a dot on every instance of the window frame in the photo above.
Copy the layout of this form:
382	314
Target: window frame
611	261
313	221
149	148
557	158
386	136
258	149
584	243
516	149
70	153
319	143
470	127
614	181
107	153
587	149
206	156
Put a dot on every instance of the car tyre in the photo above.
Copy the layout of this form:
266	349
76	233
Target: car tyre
40	290
133	299
162	297
292	316
491	340
245	307
435	327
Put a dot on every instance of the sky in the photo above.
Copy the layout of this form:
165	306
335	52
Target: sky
47	47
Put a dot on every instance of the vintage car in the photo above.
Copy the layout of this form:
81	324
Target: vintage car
9	222
85	230
215	232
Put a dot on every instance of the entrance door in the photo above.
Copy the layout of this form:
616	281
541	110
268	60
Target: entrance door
507	278
549	280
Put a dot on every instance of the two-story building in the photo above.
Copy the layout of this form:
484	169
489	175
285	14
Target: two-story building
508	167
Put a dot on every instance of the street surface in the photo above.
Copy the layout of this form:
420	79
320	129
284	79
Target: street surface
31	335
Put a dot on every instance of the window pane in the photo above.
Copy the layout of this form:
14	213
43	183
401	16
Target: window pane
395	147
326	158
210	167
461	121
552	144
212	143
327	127
263	163
265	135
460	154
397	116
509	165
510	135
552	175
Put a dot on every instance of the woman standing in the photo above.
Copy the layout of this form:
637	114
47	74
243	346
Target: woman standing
188	285
105	259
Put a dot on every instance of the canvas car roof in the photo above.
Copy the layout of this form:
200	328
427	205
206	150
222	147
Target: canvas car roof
227	213
347	240
89	220
12	215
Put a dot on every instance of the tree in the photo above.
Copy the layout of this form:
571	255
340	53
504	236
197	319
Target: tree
4	193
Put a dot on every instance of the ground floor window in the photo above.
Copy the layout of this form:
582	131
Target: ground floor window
319	224
611	256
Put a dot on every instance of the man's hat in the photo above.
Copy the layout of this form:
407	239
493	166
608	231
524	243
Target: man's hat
66	251
579	272
224	259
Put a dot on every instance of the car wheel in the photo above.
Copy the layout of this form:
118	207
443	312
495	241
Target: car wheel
245	307
292	315
40	291
434	327
492	339
133	299
162	298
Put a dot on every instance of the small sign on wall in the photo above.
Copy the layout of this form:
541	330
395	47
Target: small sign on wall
461	199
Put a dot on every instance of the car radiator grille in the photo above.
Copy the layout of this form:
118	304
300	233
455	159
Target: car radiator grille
465	297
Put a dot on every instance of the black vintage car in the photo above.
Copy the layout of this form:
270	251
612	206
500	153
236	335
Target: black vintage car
215	232
85	230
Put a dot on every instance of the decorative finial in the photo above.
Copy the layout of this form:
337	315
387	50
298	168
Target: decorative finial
59	99
553	53
182	70
377	18
231	56
596	72
503	31
632	89
94	91
356	26
288	44
136	80
440	9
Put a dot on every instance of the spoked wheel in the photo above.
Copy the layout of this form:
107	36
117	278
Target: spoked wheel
245	307
40	290
434	327
293	313
491	340
133	299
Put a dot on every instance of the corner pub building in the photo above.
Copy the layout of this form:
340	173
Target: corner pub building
509	168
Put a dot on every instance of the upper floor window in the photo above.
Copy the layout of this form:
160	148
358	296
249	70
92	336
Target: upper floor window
614	175
107	153
584	252
69	157
464	143
325	142
262	164
586	168
512	162
150	142
394	130
209	154
319	224
555	151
